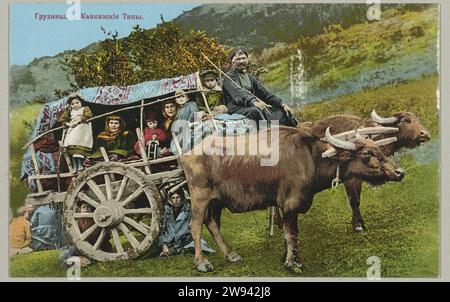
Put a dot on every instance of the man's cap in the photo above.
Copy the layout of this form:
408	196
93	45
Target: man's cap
179	91
238	51
209	74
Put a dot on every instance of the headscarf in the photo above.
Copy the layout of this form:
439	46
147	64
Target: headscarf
71	97
167	119
109	135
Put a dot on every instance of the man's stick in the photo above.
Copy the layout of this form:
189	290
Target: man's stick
232	81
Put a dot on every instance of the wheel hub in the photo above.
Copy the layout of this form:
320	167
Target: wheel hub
108	214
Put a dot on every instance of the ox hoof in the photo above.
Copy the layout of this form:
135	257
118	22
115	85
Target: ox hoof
358	228
204	266
234	257
294	266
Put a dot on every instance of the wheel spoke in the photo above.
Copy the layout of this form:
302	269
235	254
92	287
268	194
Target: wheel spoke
88	232
137	226
132	197
100	239
125	214
117	242
87	199
123	185
93	186
108	187
133	241
138	211
83	215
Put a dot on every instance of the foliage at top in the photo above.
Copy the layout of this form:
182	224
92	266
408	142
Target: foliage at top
144	55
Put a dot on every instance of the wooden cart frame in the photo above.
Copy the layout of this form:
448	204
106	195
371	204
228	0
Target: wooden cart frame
126	197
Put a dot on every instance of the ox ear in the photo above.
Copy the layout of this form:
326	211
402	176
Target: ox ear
342	155
318	130
307	134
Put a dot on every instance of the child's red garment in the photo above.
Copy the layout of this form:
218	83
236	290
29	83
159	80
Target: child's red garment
161	136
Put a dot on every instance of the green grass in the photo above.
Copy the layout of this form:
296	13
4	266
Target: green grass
403	228
418	96
19	135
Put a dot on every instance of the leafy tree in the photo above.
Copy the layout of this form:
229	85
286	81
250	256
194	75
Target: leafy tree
144	55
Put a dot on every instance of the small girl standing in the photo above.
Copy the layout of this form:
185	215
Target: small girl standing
78	140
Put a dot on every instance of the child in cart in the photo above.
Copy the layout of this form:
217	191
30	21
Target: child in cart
77	140
153	137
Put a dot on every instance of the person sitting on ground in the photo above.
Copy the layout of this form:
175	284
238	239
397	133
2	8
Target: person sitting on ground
78	140
152	133
83	224
46	229
187	108
213	94
20	232
176	234
118	142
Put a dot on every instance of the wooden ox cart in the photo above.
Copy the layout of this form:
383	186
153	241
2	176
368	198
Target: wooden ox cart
126	197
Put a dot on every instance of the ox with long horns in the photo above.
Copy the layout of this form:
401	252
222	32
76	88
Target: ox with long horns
411	133
241	184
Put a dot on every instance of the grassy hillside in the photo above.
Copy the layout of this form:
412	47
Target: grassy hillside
401	46
418	96
21	119
38	80
402	218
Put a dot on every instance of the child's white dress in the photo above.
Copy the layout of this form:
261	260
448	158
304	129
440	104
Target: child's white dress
79	138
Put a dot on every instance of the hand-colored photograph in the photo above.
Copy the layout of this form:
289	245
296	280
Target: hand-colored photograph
224	140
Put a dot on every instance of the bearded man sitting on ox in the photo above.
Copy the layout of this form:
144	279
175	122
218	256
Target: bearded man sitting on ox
244	94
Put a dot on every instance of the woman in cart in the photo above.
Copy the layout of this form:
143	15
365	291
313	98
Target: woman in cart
117	141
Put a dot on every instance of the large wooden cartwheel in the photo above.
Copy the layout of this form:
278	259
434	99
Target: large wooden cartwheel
125	212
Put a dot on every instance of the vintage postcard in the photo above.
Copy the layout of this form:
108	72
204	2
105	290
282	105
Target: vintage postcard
224	140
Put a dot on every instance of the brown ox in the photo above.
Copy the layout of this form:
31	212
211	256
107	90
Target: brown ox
240	183
411	134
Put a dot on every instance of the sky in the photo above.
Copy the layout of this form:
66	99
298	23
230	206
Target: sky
33	38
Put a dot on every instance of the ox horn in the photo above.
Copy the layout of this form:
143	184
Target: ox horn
386	141
357	135
337	142
383	120
329	152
